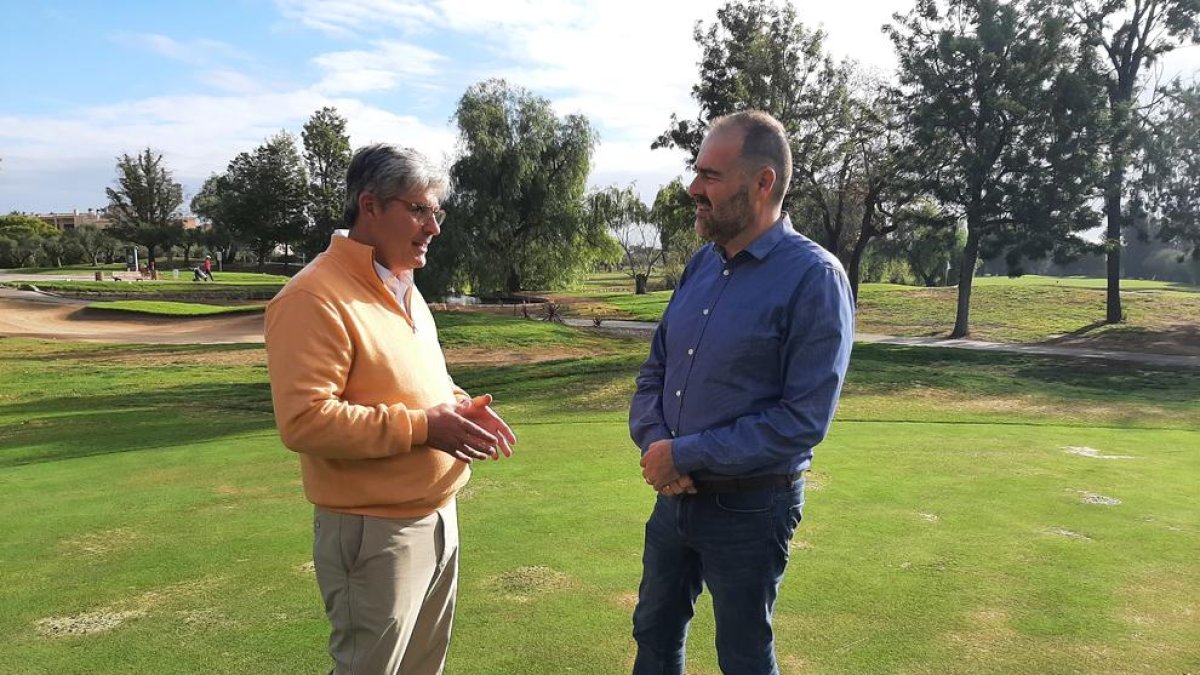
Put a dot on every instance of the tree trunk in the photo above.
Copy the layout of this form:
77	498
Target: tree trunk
1112	210
639	284
513	285
853	267
966	276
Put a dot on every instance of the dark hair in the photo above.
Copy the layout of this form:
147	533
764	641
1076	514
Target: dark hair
387	171
764	142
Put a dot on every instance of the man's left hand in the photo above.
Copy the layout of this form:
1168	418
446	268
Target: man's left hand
658	465
479	411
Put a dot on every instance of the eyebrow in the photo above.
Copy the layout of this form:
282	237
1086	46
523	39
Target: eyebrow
707	173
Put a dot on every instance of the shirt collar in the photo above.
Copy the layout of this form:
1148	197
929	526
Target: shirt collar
760	247
396	283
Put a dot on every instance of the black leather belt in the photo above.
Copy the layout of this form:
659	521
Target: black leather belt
747	484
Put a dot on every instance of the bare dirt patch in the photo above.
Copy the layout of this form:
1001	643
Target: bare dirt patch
84	624
98	544
1155	334
1069	534
150	359
472	356
1099	500
1084	451
987	634
523	583
626	601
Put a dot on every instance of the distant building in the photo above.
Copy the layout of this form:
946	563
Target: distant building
73	219
96	217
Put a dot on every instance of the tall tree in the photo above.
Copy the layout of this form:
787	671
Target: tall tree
989	88
674	213
144	206
519	185
1126	36
859	170
1170	186
259	200
216	202
621	212
327	156
846	148
756	54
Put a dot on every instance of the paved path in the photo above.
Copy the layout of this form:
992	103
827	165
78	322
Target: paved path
1161	360
30	314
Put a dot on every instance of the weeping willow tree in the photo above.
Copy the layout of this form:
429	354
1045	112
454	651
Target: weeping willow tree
516	217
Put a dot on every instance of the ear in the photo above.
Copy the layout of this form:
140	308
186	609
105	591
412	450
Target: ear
368	204
766	181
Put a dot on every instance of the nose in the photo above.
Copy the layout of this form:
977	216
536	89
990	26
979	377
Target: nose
694	188
432	228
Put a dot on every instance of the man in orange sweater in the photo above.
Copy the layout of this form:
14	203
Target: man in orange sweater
385	438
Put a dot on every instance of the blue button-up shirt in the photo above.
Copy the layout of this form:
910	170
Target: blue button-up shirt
747	364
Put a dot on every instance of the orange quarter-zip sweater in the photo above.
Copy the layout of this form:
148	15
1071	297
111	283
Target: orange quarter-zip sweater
350	378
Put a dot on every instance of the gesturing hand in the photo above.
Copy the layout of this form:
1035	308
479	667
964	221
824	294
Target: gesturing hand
479	411
457	436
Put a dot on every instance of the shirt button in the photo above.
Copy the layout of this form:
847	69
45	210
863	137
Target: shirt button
726	273
691	351
678	393
705	312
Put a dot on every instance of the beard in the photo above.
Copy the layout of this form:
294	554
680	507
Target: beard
726	221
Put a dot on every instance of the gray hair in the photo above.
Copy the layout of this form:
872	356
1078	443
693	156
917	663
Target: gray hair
764	141
388	171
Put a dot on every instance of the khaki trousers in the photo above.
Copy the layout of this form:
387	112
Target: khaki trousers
389	588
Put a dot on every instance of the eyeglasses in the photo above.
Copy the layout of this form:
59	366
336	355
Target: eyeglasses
423	211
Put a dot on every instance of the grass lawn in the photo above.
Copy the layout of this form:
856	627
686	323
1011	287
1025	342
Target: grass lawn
167	308
1161	316
957	520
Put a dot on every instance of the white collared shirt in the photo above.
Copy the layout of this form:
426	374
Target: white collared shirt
398	284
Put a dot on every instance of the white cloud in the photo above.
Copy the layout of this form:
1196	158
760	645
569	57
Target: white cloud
196	52
198	135
379	69
622	162
229	81
347	18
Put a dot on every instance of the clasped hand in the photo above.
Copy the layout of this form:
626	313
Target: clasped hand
658	468
469	430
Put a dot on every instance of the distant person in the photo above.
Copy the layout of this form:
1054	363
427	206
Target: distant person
385	438
741	383
207	267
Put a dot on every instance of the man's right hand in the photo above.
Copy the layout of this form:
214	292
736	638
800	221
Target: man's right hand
458	436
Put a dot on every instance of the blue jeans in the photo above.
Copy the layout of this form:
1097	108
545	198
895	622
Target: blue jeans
736	545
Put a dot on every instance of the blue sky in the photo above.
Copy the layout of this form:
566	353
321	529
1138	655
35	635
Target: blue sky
83	82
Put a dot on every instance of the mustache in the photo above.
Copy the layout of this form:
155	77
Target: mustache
702	201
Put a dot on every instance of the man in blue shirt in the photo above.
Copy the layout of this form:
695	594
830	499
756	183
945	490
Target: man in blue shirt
741	384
